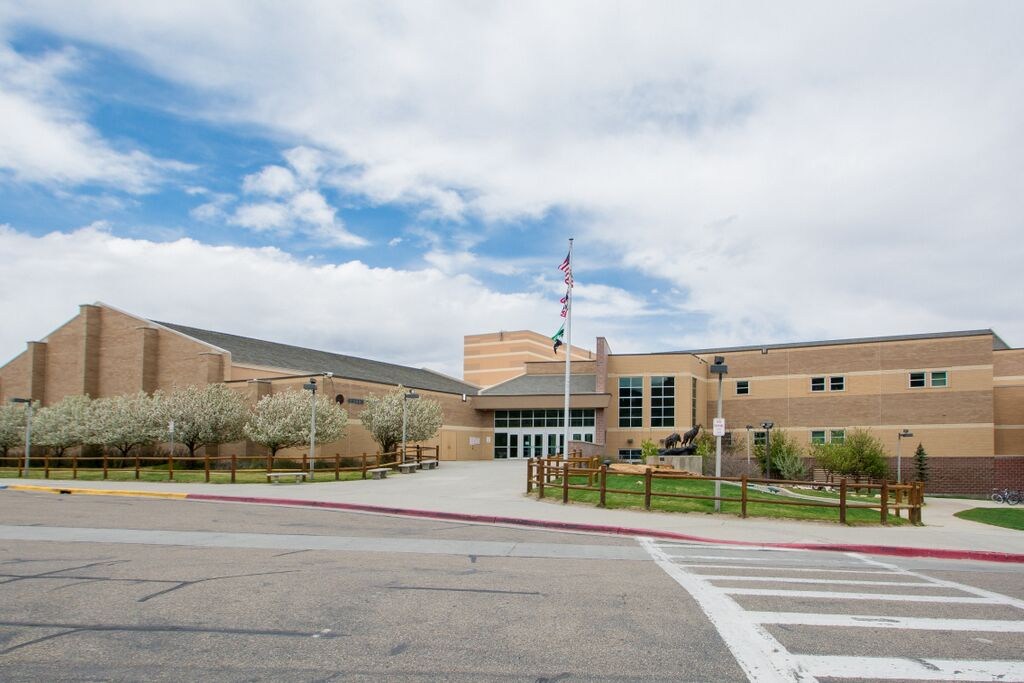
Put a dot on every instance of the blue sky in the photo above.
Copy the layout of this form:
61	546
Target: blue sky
381	179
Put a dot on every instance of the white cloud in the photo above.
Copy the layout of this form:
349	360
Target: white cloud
272	181
345	307
794	171
44	138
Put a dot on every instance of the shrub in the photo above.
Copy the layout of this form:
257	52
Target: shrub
784	451
648	449
861	454
921	463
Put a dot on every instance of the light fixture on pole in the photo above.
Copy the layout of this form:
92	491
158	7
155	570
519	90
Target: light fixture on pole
311	387
28	429
767	427
721	369
749	427
406	397
899	453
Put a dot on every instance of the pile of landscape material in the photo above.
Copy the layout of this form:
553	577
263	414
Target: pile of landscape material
626	468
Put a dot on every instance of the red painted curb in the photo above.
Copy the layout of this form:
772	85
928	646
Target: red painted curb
897	551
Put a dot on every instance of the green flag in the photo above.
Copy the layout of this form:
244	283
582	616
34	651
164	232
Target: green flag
557	337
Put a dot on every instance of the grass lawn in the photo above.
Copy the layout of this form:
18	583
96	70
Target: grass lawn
707	488
1011	518
182	476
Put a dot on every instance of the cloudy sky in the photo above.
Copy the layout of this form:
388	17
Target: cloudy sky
382	178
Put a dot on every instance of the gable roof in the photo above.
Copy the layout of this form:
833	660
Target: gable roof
997	343
246	350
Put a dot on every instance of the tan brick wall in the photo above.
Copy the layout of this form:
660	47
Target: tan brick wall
490	359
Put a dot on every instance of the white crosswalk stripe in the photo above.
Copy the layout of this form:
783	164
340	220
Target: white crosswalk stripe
781	576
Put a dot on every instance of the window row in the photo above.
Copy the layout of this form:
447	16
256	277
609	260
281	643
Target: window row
918	380
578	417
818	436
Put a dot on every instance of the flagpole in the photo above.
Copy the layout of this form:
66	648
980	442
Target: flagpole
568	354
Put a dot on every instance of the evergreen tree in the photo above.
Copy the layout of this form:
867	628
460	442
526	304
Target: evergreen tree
921	463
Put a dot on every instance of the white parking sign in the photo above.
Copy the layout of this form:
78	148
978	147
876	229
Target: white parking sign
718	426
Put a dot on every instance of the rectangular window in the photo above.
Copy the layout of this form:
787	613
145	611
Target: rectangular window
629	454
939	378
837	383
501	445
663	401
742	387
818	436
631	401
917	380
759	438
837	435
817	384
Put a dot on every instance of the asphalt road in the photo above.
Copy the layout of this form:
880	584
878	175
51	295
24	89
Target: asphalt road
141	589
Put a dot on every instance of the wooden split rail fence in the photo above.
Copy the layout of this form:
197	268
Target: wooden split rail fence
75	464
557	474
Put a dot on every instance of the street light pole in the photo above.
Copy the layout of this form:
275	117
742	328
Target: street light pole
767	427
28	430
899	453
720	369
311	387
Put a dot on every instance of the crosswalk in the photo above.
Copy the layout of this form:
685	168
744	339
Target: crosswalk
796	615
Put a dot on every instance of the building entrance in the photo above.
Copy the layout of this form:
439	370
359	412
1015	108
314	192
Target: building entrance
538	433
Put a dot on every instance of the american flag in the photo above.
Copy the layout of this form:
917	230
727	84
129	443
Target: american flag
566	268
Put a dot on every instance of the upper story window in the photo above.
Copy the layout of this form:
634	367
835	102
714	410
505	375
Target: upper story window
663	401
743	387
935	378
760	438
824	436
832	383
631	401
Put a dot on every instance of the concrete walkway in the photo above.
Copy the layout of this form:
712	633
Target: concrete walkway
497	489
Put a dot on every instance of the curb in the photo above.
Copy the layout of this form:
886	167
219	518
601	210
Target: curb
895	551
99	492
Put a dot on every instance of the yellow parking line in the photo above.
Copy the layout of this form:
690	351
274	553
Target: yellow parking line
98	492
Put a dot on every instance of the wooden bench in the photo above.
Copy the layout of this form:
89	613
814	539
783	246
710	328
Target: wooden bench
407	467
275	477
427	464
379	472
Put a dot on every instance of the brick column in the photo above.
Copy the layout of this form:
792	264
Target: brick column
150	358
37	371
90	350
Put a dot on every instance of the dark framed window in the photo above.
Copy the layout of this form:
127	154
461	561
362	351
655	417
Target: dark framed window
940	378
918	380
837	383
663	401
631	401
629	454
817	384
742	387
760	438
693	400
818	437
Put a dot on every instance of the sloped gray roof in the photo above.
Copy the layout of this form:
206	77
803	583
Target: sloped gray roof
301	360
531	385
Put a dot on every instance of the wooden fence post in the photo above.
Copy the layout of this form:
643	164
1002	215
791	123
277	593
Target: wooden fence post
529	475
884	507
170	466
647	488
604	484
542	477
743	496
46	465
364	464
104	464
898	502
206	465
234	467
138	466
842	500
305	462
74	466
337	466
565	482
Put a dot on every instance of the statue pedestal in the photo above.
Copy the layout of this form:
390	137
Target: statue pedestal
690	463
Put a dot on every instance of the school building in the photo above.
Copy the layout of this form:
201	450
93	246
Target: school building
960	393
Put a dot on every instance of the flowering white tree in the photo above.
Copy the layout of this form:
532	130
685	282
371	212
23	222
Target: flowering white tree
382	417
12	427
63	425
124	422
282	420
203	416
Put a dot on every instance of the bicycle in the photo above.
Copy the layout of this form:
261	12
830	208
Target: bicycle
1006	495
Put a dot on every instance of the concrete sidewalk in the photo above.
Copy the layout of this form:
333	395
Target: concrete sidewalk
497	489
